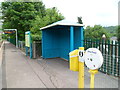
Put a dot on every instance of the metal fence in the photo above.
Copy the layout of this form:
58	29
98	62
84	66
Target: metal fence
21	45
12	40
36	48
111	54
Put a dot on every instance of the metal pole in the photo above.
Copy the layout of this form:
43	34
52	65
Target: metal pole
92	72
16	39
81	36
26	50
81	72
71	38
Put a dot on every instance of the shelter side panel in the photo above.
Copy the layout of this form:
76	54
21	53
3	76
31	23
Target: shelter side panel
50	44
77	37
64	43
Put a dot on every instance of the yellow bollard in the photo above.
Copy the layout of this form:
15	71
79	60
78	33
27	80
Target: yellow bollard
81	73
74	60
92	72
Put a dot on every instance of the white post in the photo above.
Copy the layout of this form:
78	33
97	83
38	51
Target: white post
16	39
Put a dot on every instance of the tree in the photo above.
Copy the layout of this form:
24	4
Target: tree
18	15
40	8
25	16
51	15
112	30
95	32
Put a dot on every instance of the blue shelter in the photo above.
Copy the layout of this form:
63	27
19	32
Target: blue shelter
60	38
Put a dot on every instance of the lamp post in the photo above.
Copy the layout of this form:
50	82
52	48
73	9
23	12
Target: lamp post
16	35
16	39
104	37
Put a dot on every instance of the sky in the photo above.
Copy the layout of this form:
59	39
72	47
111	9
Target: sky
93	12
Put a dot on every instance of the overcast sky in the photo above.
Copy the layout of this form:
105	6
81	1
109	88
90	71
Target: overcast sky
102	12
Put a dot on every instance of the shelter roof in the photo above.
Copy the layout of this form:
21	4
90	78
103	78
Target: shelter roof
62	23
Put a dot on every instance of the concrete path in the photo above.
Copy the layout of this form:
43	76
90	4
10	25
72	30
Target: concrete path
1	53
20	72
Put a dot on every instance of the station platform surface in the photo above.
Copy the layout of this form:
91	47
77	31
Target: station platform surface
18	71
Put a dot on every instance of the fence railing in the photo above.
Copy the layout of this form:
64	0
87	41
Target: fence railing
111	54
21	45
36	48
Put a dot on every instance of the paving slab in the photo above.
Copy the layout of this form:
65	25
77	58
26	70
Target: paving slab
1	57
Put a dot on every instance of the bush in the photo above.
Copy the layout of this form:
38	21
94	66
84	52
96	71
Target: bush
36	37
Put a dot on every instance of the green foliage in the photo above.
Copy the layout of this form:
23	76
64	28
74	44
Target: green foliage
25	16
51	15
4	36
112	30
95	32
36	37
18	15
